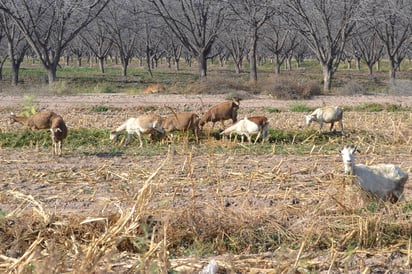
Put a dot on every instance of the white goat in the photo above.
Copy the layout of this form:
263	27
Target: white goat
385	181
243	127
143	124
326	115
263	124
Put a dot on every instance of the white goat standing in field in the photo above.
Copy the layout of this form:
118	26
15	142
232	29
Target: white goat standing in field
243	127
326	115
143	124
385	181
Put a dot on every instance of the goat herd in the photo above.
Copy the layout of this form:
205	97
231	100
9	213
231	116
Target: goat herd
385	181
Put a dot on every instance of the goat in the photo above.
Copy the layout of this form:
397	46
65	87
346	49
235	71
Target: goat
40	120
144	124
326	115
58	131
243	127
221	112
154	89
385	181
263	124
182	121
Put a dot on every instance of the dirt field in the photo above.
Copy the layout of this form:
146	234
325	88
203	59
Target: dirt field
83	185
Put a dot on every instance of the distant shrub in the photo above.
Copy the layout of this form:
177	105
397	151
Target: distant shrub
100	108
393	108
369	107
272	110
221	85
352	88
61	87
104	88
286	88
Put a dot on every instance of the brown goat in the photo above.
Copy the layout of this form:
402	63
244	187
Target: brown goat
58	132
182	121
263	124
40	120
221	112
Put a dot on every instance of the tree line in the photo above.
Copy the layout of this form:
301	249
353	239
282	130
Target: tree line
332	31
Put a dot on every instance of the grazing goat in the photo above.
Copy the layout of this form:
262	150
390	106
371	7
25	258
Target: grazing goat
243	127
221	112
58	131
385	181
182	122
263	124
40	120
326	115
144	124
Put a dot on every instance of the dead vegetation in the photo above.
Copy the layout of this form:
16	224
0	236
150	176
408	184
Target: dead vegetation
289	209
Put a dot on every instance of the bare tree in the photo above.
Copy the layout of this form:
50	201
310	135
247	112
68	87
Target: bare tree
117	20
279	41
300	52
253	13
369	47
17	45
326	26
173	50
196	23
78	49
49	26
3	51
392	22
97	40
236	44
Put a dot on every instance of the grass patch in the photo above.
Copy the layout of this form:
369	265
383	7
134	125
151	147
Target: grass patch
376	107
100	108
299	107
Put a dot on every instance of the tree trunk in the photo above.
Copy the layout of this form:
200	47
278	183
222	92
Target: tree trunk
370	70
327	77
124	70
125	64
252	60
101	64
357	60
2	61
277	65
15	74
202	65
237	68
392	69
51	74
378	66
